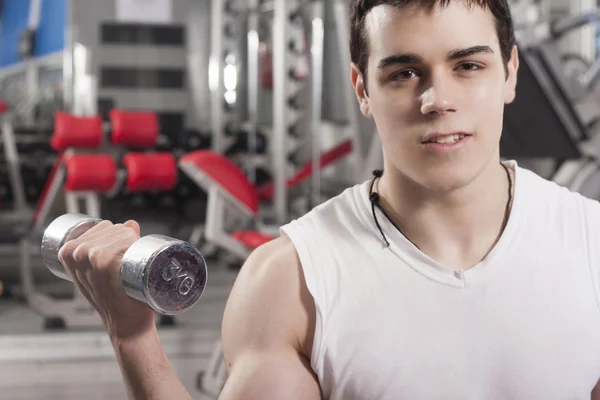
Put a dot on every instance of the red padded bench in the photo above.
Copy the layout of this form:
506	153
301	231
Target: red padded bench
224	181
132	129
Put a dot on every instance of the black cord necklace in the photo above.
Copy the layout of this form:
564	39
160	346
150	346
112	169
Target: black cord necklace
376	202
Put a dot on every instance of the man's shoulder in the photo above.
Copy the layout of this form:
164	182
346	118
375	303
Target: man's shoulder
555	202
544	193
270	291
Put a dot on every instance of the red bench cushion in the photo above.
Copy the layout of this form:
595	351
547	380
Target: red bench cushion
252	239
150	171
97	173
134	129
76	132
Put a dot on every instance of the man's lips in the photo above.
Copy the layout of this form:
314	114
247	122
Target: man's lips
449	137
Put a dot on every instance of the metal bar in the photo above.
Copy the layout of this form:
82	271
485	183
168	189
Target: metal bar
215	75
93	204
84	91
31	68
50	60
253	79
280	93
340	9
68	56
53	191
12	160
589	77
316	90
72	202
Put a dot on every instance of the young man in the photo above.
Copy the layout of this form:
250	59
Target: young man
449	276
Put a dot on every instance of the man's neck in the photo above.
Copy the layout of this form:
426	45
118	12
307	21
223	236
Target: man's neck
456	228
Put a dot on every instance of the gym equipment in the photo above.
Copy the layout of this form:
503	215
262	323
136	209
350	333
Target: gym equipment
33	182
242	144
544	40
544	103
341	150
194	140
30	141
574	65
166	274
225	183
84	177
6	195
11	156
145	176
223	53
128	129
559	109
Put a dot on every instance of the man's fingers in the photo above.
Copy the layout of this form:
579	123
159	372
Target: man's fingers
77	250
100	227
101	254
133	225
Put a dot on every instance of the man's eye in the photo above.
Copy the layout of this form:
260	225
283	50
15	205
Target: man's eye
404	75
470	67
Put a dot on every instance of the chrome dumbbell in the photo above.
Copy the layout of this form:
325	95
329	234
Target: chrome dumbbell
167	274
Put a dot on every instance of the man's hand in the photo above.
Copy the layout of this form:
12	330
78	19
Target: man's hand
94	261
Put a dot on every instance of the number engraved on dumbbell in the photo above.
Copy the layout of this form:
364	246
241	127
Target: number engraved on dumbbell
175	270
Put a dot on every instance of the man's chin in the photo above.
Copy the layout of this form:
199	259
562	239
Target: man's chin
446	181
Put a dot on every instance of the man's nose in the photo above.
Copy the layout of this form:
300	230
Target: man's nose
439	98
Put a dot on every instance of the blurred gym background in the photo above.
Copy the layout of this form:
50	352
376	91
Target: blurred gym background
214	121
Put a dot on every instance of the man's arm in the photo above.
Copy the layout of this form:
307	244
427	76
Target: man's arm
93	260
596	392
268	329
146	370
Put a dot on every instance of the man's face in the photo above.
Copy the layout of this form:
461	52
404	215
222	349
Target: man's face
436	88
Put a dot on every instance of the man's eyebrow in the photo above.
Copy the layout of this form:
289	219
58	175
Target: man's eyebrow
470	51
399	59
416	59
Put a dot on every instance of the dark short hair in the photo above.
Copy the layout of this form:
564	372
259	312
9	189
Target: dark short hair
359	42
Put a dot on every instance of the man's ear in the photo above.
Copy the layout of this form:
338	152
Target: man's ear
510	89
361	91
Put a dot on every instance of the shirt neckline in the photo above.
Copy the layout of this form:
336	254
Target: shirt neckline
405	250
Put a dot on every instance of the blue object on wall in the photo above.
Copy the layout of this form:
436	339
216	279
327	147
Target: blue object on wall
15	17
51	31
50	35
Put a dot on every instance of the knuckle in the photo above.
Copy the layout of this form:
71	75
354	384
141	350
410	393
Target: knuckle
131	234
98	257
102	224
95	229
107	256
66	251
81	253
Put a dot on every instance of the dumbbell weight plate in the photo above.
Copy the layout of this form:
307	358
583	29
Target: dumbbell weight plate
54	238
167	274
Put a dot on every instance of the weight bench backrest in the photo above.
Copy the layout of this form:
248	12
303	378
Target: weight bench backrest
212	170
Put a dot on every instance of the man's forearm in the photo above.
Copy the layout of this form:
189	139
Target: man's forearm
146	370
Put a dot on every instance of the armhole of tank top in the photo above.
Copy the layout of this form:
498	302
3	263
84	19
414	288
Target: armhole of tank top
593	263
298	237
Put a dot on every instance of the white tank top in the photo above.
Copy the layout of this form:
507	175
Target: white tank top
393	324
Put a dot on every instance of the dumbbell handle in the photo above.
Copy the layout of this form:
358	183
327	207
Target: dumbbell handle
167	274
60	231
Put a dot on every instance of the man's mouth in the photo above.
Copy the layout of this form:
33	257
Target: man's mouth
447	139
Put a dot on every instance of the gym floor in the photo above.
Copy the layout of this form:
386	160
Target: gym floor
35	364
